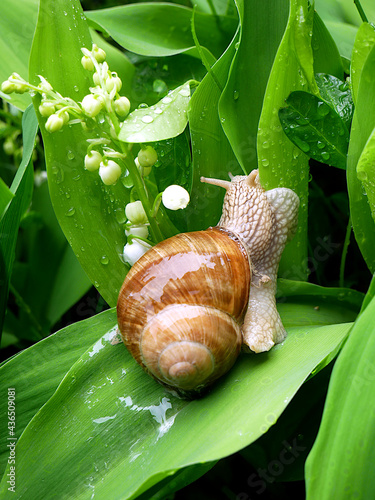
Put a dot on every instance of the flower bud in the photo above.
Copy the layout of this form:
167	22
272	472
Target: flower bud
87	63
109	172
175	197
122	106
8	87
96	78
64	115
98	53
112	82
92	161
147	157
91	105
45	86
46	109
140	230
134	250
144	171
54	123
136	213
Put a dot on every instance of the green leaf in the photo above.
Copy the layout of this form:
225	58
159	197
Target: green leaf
315	128
37	371
363	44
89	213
162	29
21	188
6	196
338	95
125	433
280	162
212	152
17	24
326	55
346	436
366	171
362	128
241	102
166	119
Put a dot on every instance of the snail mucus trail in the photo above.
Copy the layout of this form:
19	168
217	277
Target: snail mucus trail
188	306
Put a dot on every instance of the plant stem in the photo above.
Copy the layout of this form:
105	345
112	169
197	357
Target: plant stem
141	191
345	252
361	12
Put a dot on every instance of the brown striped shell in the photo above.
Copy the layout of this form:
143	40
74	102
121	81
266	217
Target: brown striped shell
181	307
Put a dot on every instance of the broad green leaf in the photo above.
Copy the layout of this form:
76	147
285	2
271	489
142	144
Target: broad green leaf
89	213
162	29
280	162
326	55
346	436
338	95
219	7
166	119
344	35
5	197
21	188
363	44
37	371
315	128
125	433
366	171
212	152
362	127
241	102
17	24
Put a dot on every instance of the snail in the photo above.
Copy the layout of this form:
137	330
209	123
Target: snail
188	305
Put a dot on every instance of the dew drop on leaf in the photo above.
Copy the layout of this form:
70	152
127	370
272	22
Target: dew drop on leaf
325	155
236	94
147	119
71	211
104	260
70	155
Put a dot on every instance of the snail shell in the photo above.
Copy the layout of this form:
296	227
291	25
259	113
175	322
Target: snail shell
181	307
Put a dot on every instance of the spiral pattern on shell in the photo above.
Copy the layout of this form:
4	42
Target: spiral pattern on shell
181	306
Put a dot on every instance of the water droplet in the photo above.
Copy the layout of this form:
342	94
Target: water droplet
58	174
104	260
76	89
325	155
158	111
223	120
67	195
166	99
147	119
120	215
323	109
143	105
236	95
71	211
320	144
302	144
266	144
184	92
362	175
237	45
70	155
265	162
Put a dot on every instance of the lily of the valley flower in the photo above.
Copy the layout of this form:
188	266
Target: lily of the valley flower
134	250
175	197
109	172
93	160
91	105
140	230
147	156
135	213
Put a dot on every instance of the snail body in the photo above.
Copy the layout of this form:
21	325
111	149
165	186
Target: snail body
191	302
